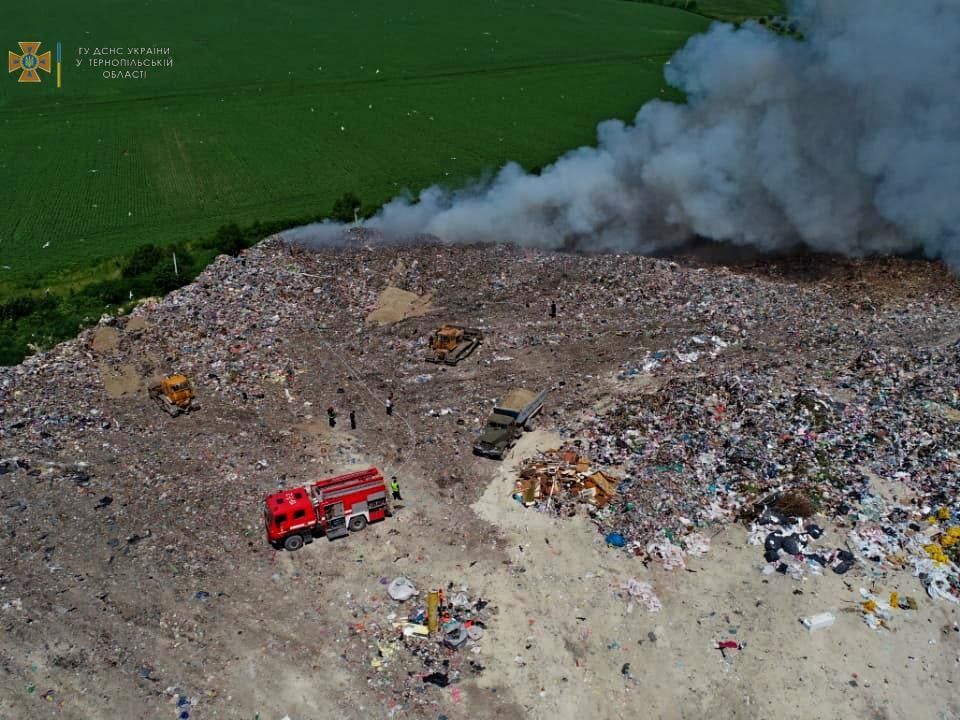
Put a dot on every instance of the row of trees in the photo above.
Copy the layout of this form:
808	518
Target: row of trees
777	23
37	320
690	5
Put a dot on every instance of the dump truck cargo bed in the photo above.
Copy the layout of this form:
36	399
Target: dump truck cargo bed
516	401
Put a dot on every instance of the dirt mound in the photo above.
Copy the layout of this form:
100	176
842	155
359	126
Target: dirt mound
105	339
120	382
395	305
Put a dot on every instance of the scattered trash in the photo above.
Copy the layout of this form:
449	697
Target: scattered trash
454	634
788	550
643	592
865	437
724	645
438	679
819	621
401	589
616	540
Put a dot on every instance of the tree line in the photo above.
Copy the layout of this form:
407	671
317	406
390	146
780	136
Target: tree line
37	320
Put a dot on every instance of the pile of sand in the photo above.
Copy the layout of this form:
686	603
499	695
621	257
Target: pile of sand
395	305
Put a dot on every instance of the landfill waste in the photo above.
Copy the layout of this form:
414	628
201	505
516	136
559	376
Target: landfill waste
402	652
836	379
788	547
560	479
616	540
643	593
820	621
438	679
724	645
877	612
454	634
701	450
401	589
878	609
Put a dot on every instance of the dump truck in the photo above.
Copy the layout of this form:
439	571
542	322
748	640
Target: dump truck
174	395
452	343
334	506
510	417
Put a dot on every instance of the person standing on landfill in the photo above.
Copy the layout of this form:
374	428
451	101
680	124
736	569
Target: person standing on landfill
395	488
553	308
353	420
332	416
390	404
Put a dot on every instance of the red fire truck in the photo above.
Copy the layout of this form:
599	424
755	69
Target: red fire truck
333	507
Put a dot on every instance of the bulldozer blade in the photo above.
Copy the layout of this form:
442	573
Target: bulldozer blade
462	351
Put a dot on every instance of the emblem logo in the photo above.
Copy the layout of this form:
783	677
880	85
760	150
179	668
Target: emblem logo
29	62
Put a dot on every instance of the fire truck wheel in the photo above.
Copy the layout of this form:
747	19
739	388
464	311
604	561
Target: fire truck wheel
357	523
294	542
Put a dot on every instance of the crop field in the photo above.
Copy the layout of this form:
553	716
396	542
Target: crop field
275	108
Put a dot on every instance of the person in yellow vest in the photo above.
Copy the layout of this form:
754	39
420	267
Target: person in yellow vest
395	488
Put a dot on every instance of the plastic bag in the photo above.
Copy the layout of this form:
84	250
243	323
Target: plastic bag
401	589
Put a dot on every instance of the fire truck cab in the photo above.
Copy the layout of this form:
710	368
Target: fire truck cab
333	506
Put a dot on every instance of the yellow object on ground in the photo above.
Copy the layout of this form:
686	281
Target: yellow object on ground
433	614
935	551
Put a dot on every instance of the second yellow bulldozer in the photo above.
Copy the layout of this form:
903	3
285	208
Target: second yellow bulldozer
452	343
174	394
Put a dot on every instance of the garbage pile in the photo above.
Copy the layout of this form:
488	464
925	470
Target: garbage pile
878	609
703	388
561	480
923	539
873	447
788	546
407	657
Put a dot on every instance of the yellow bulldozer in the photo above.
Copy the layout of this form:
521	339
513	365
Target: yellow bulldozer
452	343
174	395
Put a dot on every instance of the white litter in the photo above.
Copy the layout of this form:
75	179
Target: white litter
401	589
643	592
819	621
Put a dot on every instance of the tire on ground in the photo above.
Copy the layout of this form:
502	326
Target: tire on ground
357	523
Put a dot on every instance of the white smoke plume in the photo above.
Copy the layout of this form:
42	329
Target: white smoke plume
847	141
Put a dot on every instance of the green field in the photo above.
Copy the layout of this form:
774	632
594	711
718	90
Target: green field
271	111
275	108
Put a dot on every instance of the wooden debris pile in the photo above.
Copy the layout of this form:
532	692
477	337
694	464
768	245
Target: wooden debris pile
561	475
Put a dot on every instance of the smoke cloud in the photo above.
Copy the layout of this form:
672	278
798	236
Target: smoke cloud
847	141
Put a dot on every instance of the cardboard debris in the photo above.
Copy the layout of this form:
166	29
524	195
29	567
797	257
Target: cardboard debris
563	474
